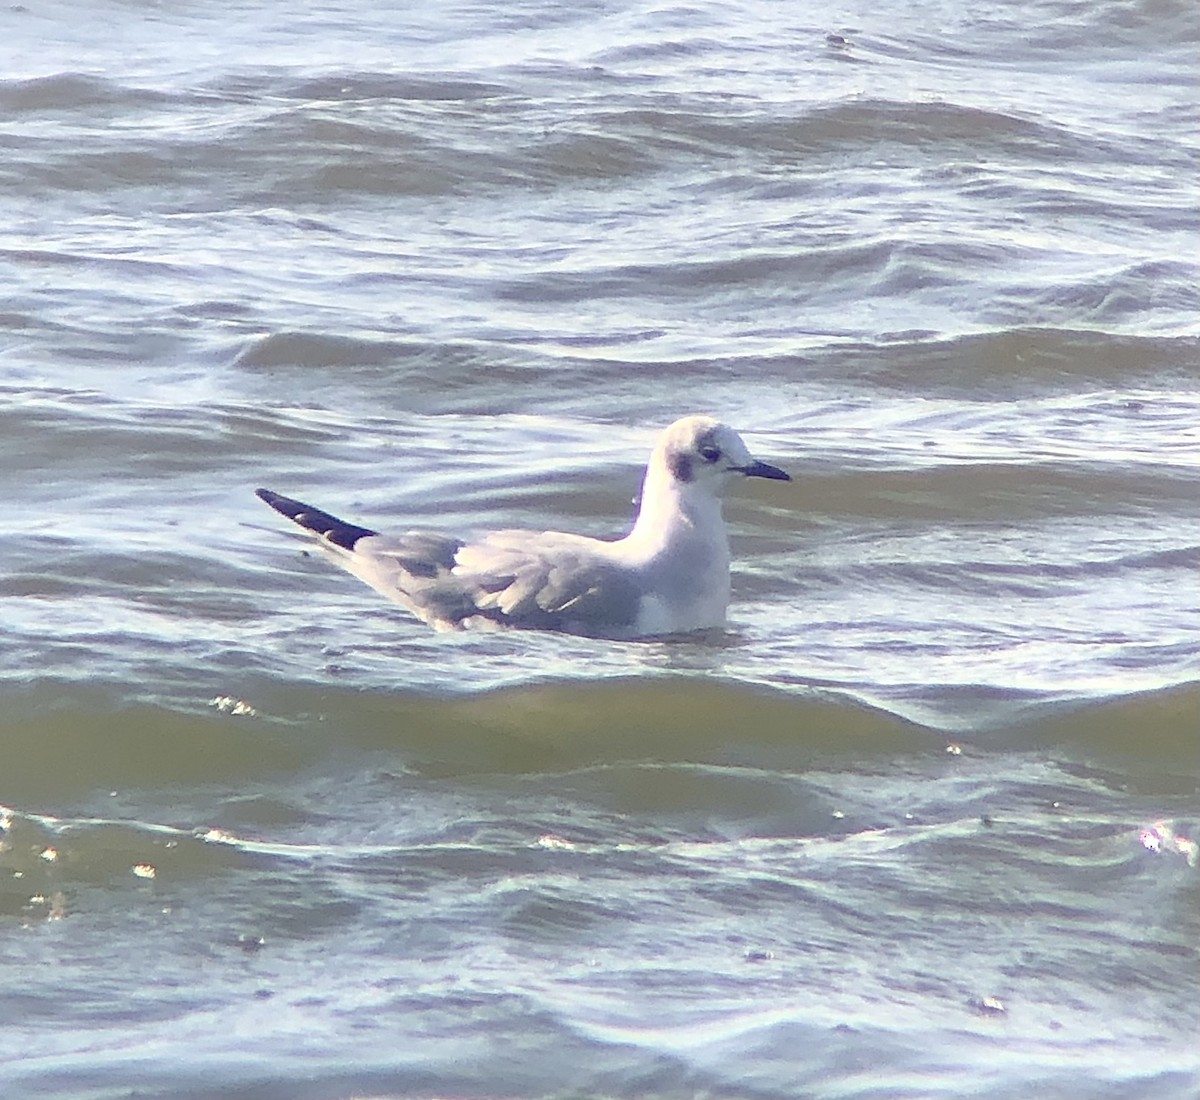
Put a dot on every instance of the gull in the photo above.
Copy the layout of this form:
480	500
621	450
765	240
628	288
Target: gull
669	575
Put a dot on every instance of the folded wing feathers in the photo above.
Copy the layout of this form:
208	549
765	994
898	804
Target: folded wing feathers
507	576
501	578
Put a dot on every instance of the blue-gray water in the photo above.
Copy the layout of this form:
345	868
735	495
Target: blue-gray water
920	825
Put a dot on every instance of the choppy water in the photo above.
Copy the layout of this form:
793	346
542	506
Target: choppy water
921	824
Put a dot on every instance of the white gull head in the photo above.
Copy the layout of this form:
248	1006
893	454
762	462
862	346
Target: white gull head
680	534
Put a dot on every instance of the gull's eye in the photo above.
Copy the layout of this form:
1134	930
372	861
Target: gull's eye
710	453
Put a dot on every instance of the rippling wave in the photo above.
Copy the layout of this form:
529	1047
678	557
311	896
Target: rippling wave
928	806
62	742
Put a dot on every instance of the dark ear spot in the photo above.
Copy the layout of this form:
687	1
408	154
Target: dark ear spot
680	466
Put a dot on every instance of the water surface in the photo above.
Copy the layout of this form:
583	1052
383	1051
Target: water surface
921	823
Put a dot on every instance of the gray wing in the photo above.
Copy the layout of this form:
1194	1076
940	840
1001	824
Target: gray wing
415	570
543	581
547	581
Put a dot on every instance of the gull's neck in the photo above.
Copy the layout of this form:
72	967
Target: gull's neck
677	517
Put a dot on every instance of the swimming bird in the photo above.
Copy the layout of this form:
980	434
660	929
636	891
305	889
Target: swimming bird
669	575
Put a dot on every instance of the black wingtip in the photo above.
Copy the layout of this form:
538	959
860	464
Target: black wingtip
328	527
